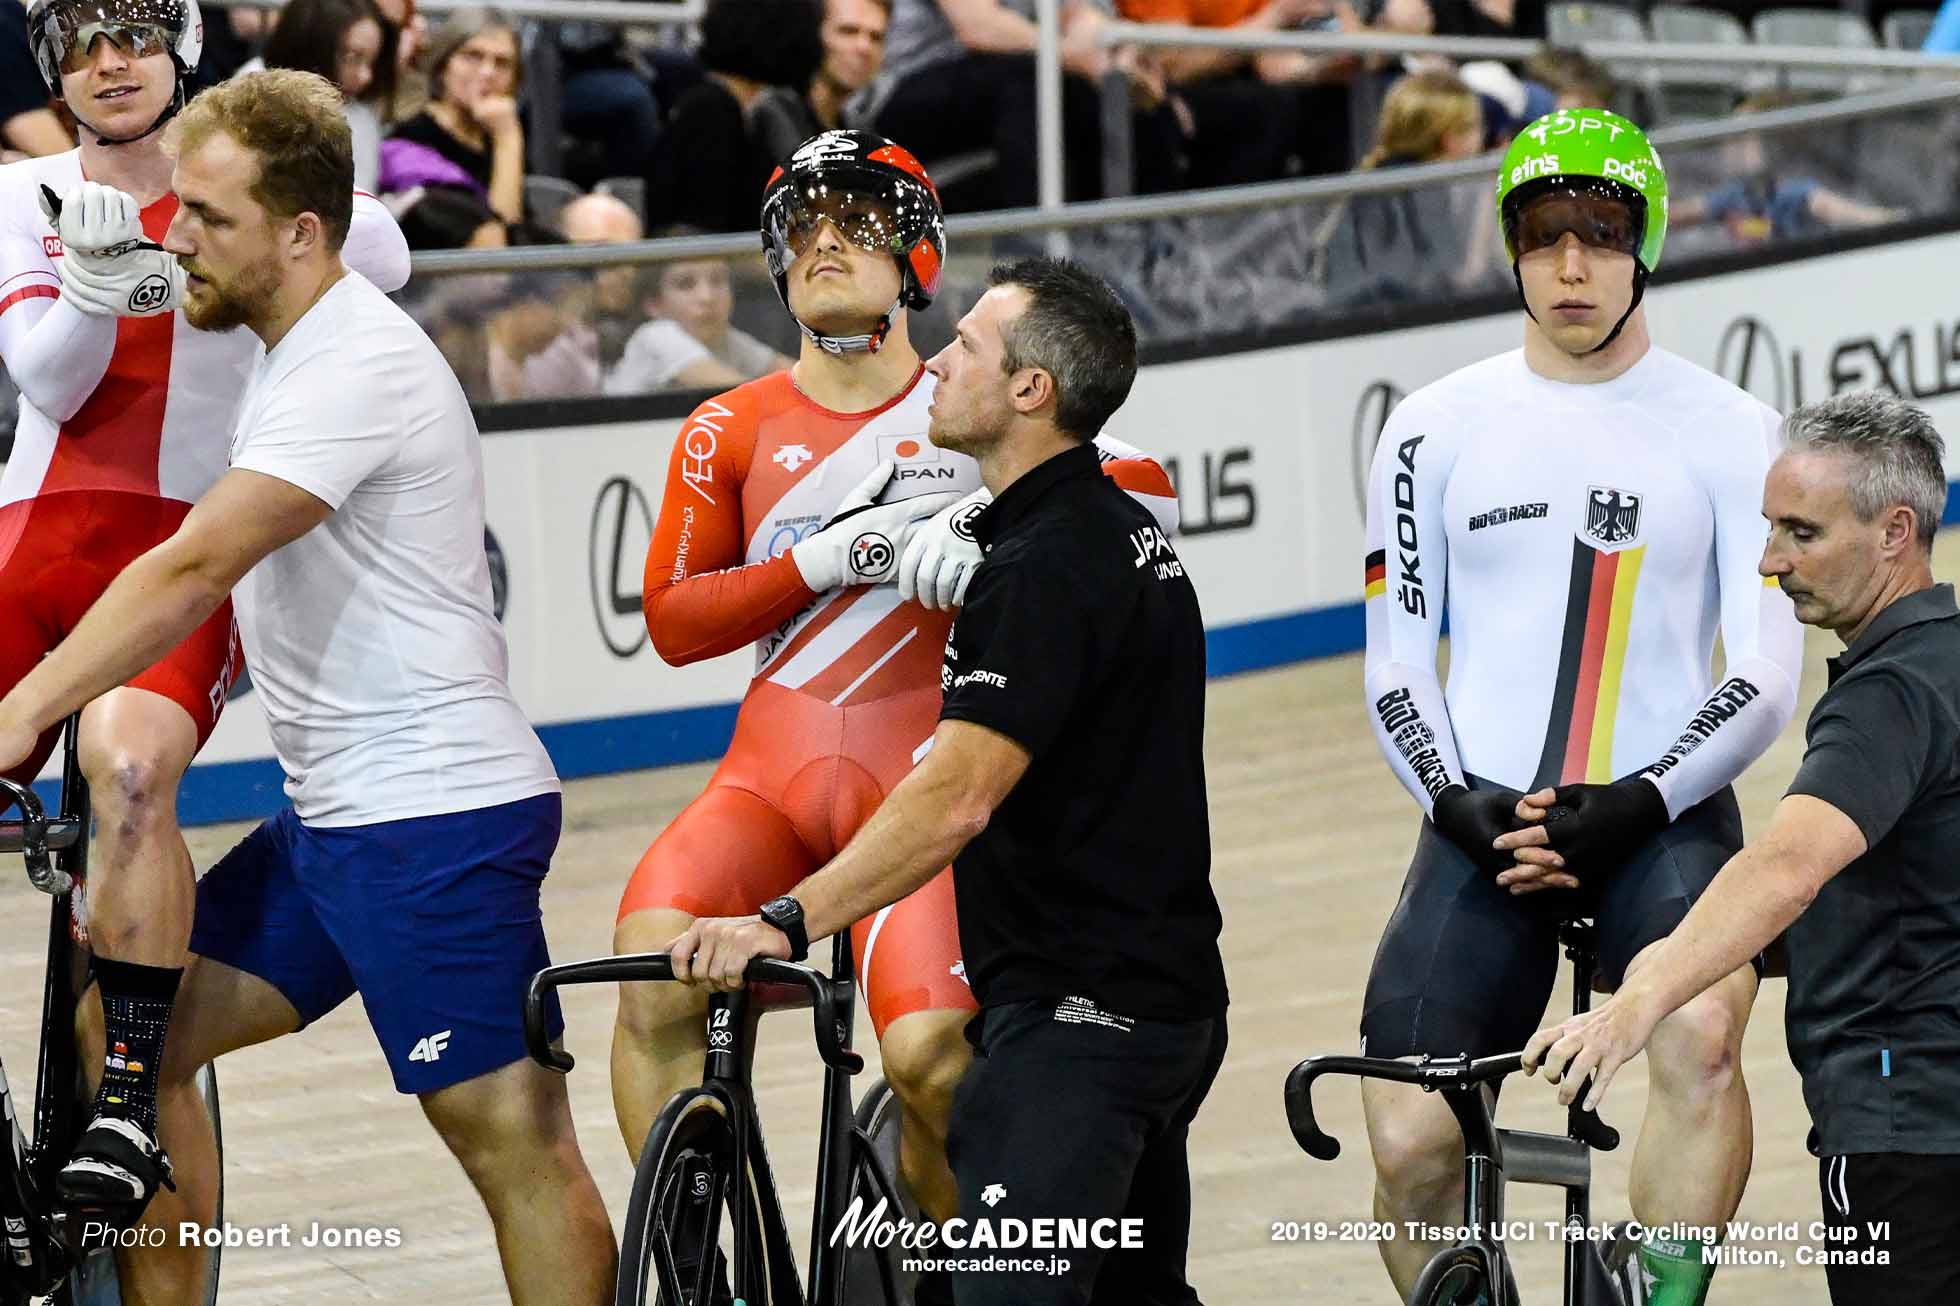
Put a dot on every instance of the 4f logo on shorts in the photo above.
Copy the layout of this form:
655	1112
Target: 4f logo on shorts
152	293
1612	516
871	554
430	1048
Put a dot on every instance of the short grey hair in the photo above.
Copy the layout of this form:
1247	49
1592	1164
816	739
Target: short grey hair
1897	456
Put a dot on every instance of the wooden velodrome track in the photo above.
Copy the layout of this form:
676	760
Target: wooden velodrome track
1311	837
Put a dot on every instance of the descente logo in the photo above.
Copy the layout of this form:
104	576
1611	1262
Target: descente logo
874	1228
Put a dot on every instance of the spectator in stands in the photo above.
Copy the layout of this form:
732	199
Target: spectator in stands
411	43
455	172
1460	17
232	37
1575	79
609	109
351	45
1388	248
959	77
853	50
696	295
28	126
1246	116
546	344
1761	203
708	170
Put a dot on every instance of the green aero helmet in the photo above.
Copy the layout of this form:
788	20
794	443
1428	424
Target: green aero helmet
1590	152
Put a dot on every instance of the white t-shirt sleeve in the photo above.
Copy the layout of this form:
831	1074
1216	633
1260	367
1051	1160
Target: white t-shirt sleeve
655	354
310	429
1405	573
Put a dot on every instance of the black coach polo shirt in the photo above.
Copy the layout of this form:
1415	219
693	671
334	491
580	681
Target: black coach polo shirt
1873	1014
1080	639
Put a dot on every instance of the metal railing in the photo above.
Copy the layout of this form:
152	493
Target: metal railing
1233	199
1050	146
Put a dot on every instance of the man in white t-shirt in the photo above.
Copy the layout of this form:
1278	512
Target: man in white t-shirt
425	810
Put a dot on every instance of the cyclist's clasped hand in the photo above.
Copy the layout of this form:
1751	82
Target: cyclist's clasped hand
940	561
863	543
1587	829
1473	819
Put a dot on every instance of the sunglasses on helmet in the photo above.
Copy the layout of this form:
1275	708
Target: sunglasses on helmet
1599	221
869	221
136	40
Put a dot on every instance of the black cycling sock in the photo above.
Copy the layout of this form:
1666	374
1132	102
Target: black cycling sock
136	1004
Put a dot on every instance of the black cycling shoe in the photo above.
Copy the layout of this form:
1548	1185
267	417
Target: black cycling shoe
115	1171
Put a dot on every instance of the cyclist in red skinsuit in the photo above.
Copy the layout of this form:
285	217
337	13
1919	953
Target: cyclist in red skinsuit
846	686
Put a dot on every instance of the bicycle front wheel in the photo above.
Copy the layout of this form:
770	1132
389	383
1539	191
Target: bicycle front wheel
679	1244
1457	1276
870	1275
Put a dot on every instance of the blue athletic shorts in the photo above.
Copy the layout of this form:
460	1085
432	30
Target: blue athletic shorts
434	920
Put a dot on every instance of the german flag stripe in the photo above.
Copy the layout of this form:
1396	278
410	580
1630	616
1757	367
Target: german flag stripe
1586	699
1613	660
1374	574
1578	596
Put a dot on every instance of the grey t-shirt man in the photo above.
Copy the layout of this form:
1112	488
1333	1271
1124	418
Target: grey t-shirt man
1873	1015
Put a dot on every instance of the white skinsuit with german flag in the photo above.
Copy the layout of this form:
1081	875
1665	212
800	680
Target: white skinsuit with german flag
1589	540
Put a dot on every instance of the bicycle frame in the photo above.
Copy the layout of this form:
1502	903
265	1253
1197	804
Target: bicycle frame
1493	1157
732	1021
41	1244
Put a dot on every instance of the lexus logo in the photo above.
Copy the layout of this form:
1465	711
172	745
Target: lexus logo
622	530
1750	358
1370	416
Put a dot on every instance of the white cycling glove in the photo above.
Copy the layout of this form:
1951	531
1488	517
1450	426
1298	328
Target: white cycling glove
942	556
108	268
863	542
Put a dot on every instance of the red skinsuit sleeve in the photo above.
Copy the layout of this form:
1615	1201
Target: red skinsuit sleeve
701	599
1145	480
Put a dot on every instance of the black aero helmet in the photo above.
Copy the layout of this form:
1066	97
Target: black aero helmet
879	198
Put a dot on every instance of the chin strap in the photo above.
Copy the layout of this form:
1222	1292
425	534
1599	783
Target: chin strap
1639	289
869	343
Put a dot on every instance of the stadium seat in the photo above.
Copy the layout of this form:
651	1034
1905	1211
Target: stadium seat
1573	24
630	190
544	196
1906	29
1699	90
1817	27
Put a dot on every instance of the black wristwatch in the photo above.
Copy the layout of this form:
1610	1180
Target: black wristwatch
786	914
